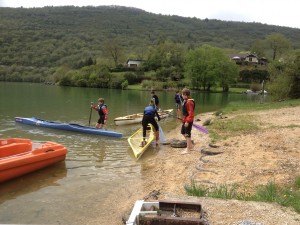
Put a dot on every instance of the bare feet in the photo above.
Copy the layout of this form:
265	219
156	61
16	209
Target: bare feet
185	152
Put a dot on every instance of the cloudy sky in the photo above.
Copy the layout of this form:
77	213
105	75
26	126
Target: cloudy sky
276	12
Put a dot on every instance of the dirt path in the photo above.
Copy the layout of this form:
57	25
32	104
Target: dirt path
270	154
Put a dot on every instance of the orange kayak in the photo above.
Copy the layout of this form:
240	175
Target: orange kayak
21	156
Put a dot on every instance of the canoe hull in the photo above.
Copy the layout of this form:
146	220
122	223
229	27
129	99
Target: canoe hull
137	118
136	139
20	156
66	126
130	119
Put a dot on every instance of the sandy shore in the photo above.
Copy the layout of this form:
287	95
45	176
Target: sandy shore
270	153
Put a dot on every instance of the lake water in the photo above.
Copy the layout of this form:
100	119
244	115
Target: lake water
95	165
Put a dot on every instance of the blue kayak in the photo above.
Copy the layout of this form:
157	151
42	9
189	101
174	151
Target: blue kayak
66	126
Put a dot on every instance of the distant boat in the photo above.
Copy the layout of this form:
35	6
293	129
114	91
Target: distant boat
137	118
250	92
66	126
21	156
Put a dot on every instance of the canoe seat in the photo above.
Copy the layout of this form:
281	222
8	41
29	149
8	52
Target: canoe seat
47	147
14	149
42	150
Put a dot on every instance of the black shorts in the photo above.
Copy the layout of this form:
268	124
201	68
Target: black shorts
186	131
101	120
149	119
146	120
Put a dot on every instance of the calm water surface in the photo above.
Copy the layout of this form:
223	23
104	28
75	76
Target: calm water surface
94	166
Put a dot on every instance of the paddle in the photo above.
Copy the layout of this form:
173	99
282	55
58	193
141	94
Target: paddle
198	127
161	133
92	103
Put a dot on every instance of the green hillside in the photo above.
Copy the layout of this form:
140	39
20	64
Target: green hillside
38	40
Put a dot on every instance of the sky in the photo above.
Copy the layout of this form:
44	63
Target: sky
271	12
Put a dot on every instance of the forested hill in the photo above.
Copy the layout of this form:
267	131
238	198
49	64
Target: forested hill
53	36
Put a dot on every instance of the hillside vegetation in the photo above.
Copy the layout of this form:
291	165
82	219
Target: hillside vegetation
34	42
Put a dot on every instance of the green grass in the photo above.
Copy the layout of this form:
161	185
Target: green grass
231	127
135	87
288	196
254	106
241	124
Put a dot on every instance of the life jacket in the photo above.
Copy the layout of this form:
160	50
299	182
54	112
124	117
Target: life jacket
177	99
149	111
156	100
100	109
184	109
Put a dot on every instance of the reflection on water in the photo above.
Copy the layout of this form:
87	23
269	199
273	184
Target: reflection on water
31	182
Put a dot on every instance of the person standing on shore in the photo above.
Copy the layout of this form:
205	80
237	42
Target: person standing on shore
188	108
155	100
178	102
102	111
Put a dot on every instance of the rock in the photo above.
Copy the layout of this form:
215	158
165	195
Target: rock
178	144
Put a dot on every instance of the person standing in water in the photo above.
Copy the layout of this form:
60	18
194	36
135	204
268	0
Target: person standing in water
149	118
102	111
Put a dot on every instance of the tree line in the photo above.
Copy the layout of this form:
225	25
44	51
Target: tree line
86	46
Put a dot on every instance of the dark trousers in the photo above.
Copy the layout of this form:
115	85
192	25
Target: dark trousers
146	120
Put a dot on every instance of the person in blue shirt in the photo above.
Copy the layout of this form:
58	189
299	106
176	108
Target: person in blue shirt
149	118
178	102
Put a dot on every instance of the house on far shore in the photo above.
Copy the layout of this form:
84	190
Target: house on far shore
134	63
250	58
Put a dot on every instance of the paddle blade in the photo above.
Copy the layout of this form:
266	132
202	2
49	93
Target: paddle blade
200	128
161	134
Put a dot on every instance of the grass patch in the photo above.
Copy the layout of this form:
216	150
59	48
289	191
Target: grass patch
288	196
135	87
224	128
254	106
241	124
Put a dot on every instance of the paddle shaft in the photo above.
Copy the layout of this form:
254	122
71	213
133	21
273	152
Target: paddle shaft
198	127
90	114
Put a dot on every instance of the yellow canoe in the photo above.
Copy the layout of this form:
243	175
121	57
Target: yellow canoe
136	139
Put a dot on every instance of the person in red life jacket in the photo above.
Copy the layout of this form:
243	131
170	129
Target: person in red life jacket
188	108
149	117
102	111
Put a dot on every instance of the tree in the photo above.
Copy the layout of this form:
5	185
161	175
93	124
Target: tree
294	73
259	48
285	77
228	73
278	44
114	49
206	66
168	58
